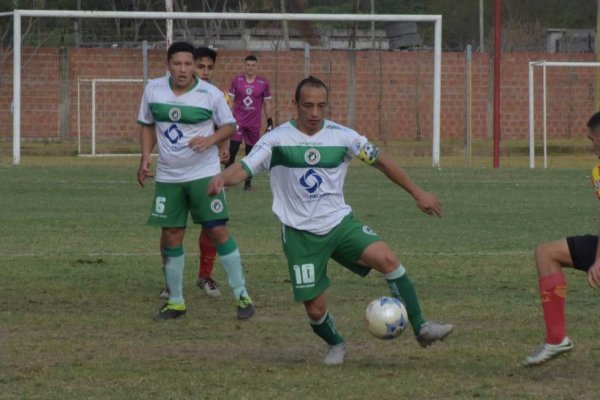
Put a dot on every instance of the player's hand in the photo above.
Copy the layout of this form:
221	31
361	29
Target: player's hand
269	124
428	203
224	155
200	143
144	171
593	275
216	184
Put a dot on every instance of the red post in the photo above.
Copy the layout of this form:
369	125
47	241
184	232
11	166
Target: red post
497	58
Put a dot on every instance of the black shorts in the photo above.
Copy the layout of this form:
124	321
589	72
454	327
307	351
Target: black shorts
583	250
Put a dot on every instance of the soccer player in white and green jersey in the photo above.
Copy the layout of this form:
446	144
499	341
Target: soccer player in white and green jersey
308	159
180	112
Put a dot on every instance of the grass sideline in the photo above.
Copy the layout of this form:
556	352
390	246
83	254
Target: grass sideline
81	276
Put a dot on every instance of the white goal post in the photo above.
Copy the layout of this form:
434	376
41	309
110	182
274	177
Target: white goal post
437	51
544	65
93	84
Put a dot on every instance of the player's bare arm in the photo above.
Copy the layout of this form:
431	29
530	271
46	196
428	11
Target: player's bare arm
426	202
201	143
231	176
223	146
147	141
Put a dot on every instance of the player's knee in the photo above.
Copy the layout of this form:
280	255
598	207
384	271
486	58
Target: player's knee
549	256
388	262
315	311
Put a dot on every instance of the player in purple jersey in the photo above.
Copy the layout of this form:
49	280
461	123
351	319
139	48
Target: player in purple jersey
250	94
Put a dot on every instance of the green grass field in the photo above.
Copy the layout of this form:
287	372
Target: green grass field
80	277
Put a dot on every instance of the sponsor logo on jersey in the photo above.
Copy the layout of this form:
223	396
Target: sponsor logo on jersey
173	134
311	180
175	114
312	156
216	206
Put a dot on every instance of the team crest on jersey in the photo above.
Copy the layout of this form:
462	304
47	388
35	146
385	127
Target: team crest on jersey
175	114
312	156
369	231
249	91
216	206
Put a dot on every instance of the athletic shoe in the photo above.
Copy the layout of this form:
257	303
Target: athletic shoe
245	309
547	352
209	286
170	311
249	189
335	354
165	293
432	331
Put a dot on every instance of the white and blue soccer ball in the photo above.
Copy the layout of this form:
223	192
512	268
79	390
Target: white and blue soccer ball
386	318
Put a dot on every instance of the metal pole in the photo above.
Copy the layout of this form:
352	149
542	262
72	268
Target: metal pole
17	88
544	115
78	117
145	61
531	117
437	91
169	9
93	117
468	107
497	58
306	60
481	43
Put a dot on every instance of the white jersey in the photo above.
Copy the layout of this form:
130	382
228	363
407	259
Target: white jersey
177	120
307	173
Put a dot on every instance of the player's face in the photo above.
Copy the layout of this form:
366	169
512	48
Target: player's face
250	68
311	109
205	67
594	136
182	69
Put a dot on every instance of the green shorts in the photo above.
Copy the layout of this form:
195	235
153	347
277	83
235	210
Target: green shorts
173	201
308	254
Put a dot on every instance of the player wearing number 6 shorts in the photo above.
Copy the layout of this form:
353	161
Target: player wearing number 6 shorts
579	252
308	159
179	112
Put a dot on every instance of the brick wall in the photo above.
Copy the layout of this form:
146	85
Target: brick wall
392	93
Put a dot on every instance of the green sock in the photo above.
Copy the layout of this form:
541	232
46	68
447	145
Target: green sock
174	264
325	329
403	289
232	264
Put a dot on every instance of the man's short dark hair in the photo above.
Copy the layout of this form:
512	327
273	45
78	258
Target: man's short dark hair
203	52
251	57
594	122
179	47
310	81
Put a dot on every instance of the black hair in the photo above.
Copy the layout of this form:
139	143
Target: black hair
310	81
178	47
251	57
594	122
203	52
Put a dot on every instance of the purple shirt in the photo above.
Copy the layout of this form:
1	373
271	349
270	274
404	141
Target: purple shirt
248	100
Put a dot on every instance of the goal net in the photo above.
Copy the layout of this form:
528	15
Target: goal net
562	97
77	85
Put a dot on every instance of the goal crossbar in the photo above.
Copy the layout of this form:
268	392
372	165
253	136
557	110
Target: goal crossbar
544	64
437	57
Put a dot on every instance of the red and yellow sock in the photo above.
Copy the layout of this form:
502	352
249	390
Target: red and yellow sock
553	290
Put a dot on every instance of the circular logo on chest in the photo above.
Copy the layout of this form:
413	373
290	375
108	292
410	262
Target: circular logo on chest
312	156
175	114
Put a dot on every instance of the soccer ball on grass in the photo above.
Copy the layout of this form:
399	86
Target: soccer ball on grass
386	318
